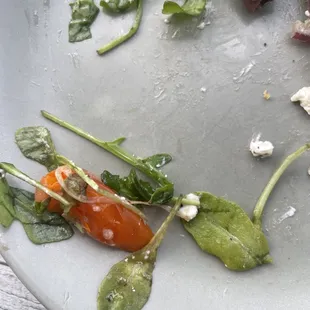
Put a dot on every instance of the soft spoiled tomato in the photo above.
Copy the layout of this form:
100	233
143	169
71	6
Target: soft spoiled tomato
112	223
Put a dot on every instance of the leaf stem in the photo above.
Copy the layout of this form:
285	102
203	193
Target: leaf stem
94	185
259	208
133	30
11	169
113	148
157	239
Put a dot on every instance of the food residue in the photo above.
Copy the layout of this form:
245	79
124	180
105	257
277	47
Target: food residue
303	96
260	148
266	94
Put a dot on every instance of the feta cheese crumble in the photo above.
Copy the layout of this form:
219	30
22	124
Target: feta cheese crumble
260	148
303	95
188	212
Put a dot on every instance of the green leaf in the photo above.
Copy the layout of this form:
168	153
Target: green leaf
143	188
111	180
6	218
223	229
46	233
7	211
36	143
190	7
162	194
19	204
128	284
117	5
83	14
135	189
158	160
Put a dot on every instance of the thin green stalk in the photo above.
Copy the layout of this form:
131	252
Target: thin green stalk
186	201
259	208
94	185
133	30
114	148
11	169
156	240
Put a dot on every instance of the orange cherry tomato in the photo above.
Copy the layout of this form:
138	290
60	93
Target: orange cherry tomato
107	221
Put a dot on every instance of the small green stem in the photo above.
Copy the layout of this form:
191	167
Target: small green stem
186	201
114	148
133	30
157	239
11	169
259	208
94	185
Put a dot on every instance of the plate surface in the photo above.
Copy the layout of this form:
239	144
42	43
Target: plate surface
150	91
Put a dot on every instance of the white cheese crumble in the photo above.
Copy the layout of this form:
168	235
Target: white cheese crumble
188	212
201	26
261	148
303	95
193	197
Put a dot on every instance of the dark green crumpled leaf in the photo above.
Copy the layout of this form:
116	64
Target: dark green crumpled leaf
18	204
135	189
223	229
36	143
83	14
162	194
117	5
158	160
190	7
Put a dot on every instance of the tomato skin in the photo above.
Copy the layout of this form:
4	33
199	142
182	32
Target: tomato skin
107	222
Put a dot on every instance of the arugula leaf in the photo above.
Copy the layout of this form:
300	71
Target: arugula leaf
190	7
162	194
135	189
36	143
84	13
117	5
18	204
158	160
143	188
223	229
130	187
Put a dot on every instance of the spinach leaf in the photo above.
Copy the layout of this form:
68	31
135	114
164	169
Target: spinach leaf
158	160
128	284
47	233
84	13
223	229
36	143
18	204
7	211
117	5
190	7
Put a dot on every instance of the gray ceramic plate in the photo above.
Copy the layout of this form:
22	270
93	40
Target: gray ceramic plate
150	91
